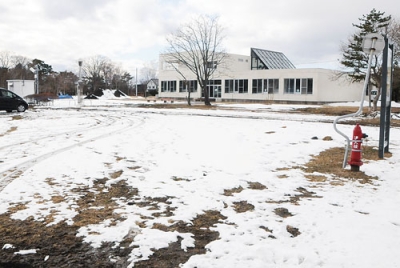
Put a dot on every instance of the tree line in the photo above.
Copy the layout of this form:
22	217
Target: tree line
98	72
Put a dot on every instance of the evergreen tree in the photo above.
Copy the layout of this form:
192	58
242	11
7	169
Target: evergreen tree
356	60
353	56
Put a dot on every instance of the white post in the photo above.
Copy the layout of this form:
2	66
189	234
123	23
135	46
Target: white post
136	82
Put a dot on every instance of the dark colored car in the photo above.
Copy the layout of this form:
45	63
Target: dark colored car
9	101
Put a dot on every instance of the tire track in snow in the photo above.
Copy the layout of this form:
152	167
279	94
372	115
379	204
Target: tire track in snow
98	124
14	172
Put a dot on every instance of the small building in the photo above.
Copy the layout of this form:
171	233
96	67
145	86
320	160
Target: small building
22	88
263	76
152	87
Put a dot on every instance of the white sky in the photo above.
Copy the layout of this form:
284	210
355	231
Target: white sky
132	32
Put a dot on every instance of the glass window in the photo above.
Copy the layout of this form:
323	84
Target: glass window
309	86
168	86
289	86
212	65
271	86
298	86
236	86
191	85
241	86
257	86
229	85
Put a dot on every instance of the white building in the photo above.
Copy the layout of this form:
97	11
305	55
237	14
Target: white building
152	85
262	76
22	88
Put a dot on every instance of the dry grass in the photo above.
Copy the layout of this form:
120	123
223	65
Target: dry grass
330	110
338	110
230	192
330	162
256	186
342	110
242	206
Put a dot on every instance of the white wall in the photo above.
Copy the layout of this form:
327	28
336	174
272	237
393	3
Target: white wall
325	87
22	87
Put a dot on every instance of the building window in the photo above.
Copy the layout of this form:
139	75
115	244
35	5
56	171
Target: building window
229	85
307	86
191	85
269	86
257	86
212	64
168	86
289	86
298	86
236	86
241	85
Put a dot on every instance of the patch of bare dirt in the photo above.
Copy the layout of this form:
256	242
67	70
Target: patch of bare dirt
57	245
174	255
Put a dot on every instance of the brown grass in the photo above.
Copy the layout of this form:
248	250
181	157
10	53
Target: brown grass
256	186
230	192
330	162
242	206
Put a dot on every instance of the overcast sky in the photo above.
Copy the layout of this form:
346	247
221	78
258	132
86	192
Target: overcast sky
133	32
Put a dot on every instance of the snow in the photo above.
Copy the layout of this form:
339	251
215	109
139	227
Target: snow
192	156
25	252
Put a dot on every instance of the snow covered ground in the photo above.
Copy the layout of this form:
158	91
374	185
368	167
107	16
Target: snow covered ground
192	157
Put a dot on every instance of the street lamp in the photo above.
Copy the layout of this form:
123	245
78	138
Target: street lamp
36	72
79	82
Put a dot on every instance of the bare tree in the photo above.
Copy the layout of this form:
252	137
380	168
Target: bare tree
93	71
198	47
20	68
148	72
394	38
5	65
6	59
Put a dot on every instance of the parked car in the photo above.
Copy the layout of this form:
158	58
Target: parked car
9	101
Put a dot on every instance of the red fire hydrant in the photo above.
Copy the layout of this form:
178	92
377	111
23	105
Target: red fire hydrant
355	159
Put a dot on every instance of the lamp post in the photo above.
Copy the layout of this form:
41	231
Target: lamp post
36	73
79	83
